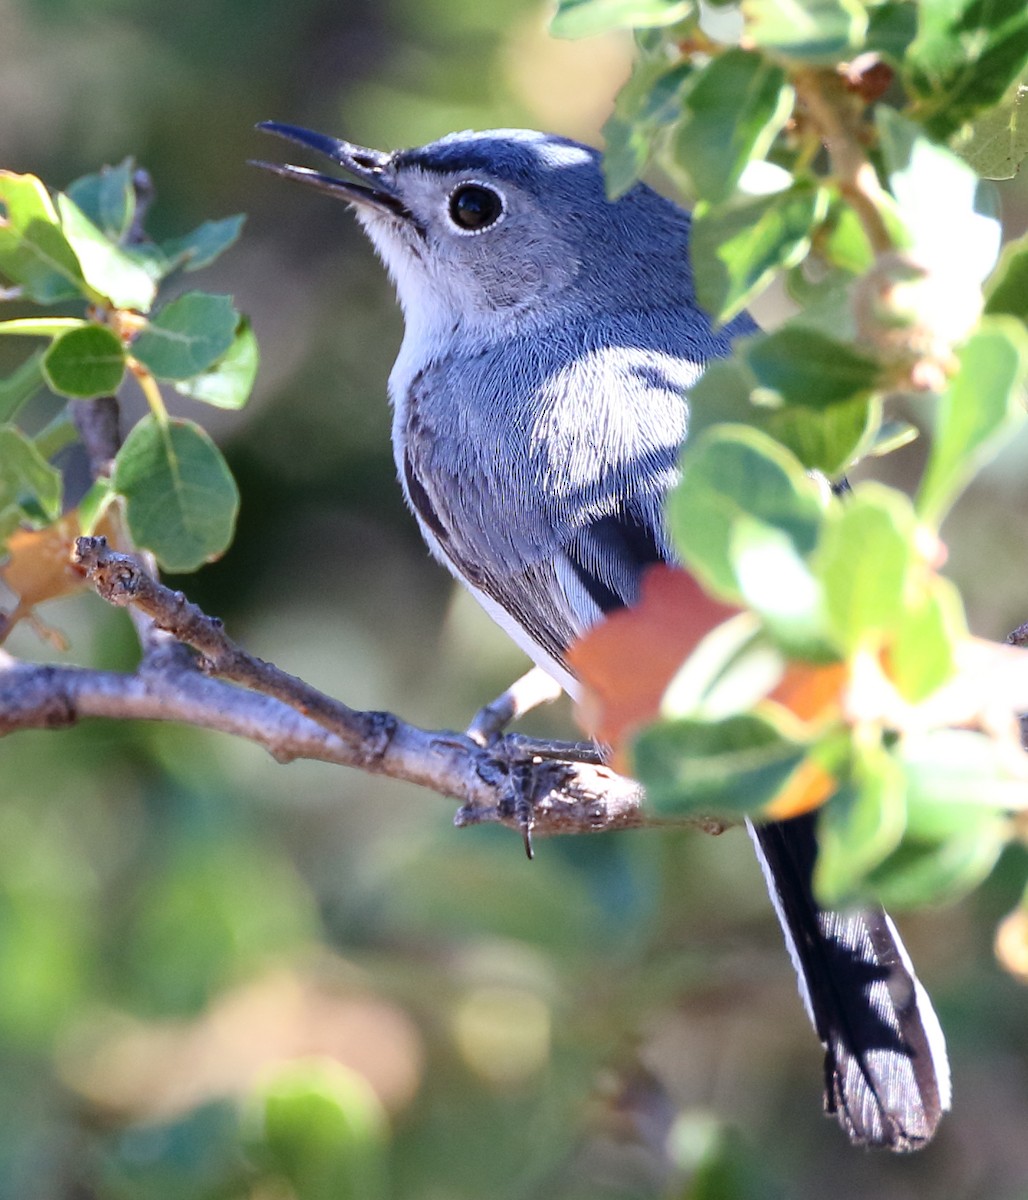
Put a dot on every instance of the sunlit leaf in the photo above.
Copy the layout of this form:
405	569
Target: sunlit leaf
862	560
644	108
627	661
980	409
584	18
966	55
926	631
38	563
39	326
808	31
937	193
729	472
230	380
737	249
777	583
109	269
996	143
733	110
34	252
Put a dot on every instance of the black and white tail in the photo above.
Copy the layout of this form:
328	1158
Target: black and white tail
886	1073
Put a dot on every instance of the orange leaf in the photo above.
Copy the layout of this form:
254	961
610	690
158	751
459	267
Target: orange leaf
807	788
38	566
809	690
626	662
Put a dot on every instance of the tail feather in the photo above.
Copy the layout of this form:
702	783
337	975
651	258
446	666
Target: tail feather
886	1072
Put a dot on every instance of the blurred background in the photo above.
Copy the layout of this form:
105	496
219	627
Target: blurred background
213	966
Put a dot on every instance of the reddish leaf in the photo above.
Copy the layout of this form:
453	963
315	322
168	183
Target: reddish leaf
810	691
626	662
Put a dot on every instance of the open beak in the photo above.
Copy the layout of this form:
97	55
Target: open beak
369	166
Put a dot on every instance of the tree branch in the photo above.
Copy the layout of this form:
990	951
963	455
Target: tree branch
541	787
565	797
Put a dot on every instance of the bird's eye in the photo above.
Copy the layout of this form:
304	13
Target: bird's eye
474	207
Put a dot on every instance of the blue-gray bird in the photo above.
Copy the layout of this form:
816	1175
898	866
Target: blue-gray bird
538	413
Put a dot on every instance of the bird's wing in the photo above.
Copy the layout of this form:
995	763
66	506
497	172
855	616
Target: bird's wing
546	498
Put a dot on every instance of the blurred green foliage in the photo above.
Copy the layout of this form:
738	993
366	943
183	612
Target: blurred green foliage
199	946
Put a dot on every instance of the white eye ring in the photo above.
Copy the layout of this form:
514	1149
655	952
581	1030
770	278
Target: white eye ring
474	207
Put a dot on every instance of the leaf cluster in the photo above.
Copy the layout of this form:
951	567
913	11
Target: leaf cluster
85	252
838	147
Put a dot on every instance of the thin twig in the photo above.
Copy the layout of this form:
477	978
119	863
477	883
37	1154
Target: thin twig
836	113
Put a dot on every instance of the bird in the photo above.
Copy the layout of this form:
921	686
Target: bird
539	408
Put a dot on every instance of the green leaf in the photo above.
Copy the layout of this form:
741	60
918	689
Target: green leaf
731	670
937	193
206	243
892	435
109	270
891	27
26	477
938	872
996	143
734	109
60	431
229	382
180	498
966	55
94	504
735	765
808	369
927	630
844	242
584	18
863	560
958	777
858	828
777	584
107	198
85	363
807	31
319	1126
736	250
979	411
825	440
1006	290
20	386
646	106
719	1161
187	336
34	253
829	440
730	472
40	326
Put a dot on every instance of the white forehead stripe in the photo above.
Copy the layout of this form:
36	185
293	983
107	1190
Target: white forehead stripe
556	155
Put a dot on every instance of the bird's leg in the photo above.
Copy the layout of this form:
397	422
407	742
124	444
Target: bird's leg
535	687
